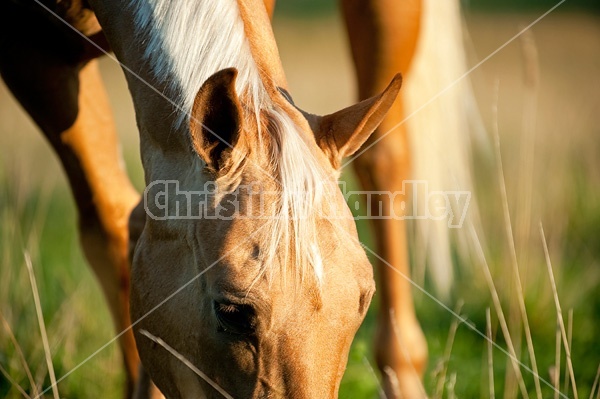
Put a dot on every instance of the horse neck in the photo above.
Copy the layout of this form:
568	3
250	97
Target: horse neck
262	42
165	65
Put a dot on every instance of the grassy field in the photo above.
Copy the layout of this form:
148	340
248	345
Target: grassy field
558	118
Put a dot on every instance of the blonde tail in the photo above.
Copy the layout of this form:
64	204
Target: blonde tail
438	106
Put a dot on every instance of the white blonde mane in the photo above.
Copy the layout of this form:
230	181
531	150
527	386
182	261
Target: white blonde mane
186	42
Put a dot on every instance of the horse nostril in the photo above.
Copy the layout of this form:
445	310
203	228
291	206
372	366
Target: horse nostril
365	300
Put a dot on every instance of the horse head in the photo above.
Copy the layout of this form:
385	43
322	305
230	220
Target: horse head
265	287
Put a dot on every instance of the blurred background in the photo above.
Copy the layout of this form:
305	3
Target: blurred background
548	130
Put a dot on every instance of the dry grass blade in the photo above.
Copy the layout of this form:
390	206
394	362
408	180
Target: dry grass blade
557	361
595	385
513	257
13	382
22	359
490	352
570	342
387	370
451	386
559	312
490	280
439	391
189	364
40	316
527	156
502	320
40	377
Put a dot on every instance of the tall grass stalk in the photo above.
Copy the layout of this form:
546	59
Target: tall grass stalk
513	256
527	156
20	354
595	385
42	324
498	307
439	392
187	363
559	312
492	287
13	382
490	352
373	374
557	361
570	342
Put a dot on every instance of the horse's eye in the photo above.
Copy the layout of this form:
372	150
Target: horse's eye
235	319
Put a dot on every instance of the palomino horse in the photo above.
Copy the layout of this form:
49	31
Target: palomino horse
265	306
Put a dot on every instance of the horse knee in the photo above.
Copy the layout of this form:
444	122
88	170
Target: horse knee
401	345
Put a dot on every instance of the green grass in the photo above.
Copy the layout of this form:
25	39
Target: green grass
42	221
578	284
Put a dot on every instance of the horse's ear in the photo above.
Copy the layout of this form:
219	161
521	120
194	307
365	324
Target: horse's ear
341	134
216	119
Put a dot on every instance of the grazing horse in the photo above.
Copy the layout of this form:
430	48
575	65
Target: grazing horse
265	305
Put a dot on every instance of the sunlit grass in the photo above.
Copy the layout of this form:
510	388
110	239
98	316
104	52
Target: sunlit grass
42	222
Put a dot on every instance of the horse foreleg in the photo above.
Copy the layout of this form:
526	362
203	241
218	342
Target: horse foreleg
383	36
400	346
104	227
69	104
103	222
